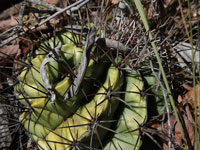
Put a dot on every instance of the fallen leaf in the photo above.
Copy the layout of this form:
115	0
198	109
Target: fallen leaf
115	2
186	105
184	55
163	127
5	24
8	52
26	44
189	96
12	11
192	98
109	3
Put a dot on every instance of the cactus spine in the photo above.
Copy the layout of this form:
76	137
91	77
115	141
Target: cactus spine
85	120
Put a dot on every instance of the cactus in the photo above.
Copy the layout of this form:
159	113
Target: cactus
105	113
132	114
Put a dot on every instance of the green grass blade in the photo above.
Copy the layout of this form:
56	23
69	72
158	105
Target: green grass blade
194	77
145	22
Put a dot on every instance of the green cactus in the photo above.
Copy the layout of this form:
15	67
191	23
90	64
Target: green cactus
105	113
132	115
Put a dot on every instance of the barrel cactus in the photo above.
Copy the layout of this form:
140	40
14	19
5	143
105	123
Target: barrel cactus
105	113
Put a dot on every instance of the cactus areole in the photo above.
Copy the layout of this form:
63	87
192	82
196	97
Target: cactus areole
105	112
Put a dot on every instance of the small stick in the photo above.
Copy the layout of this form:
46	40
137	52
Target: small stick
51	57
80	3
21	14
73	89
36	10
112	44
170	133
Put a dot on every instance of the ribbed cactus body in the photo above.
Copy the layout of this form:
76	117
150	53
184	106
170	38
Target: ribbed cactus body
132	114
88	119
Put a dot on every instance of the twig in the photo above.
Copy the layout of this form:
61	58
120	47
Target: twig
36	10
142	53
77	7
112	44
80	3
73	89
77	29
51	57
170	135
21	14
